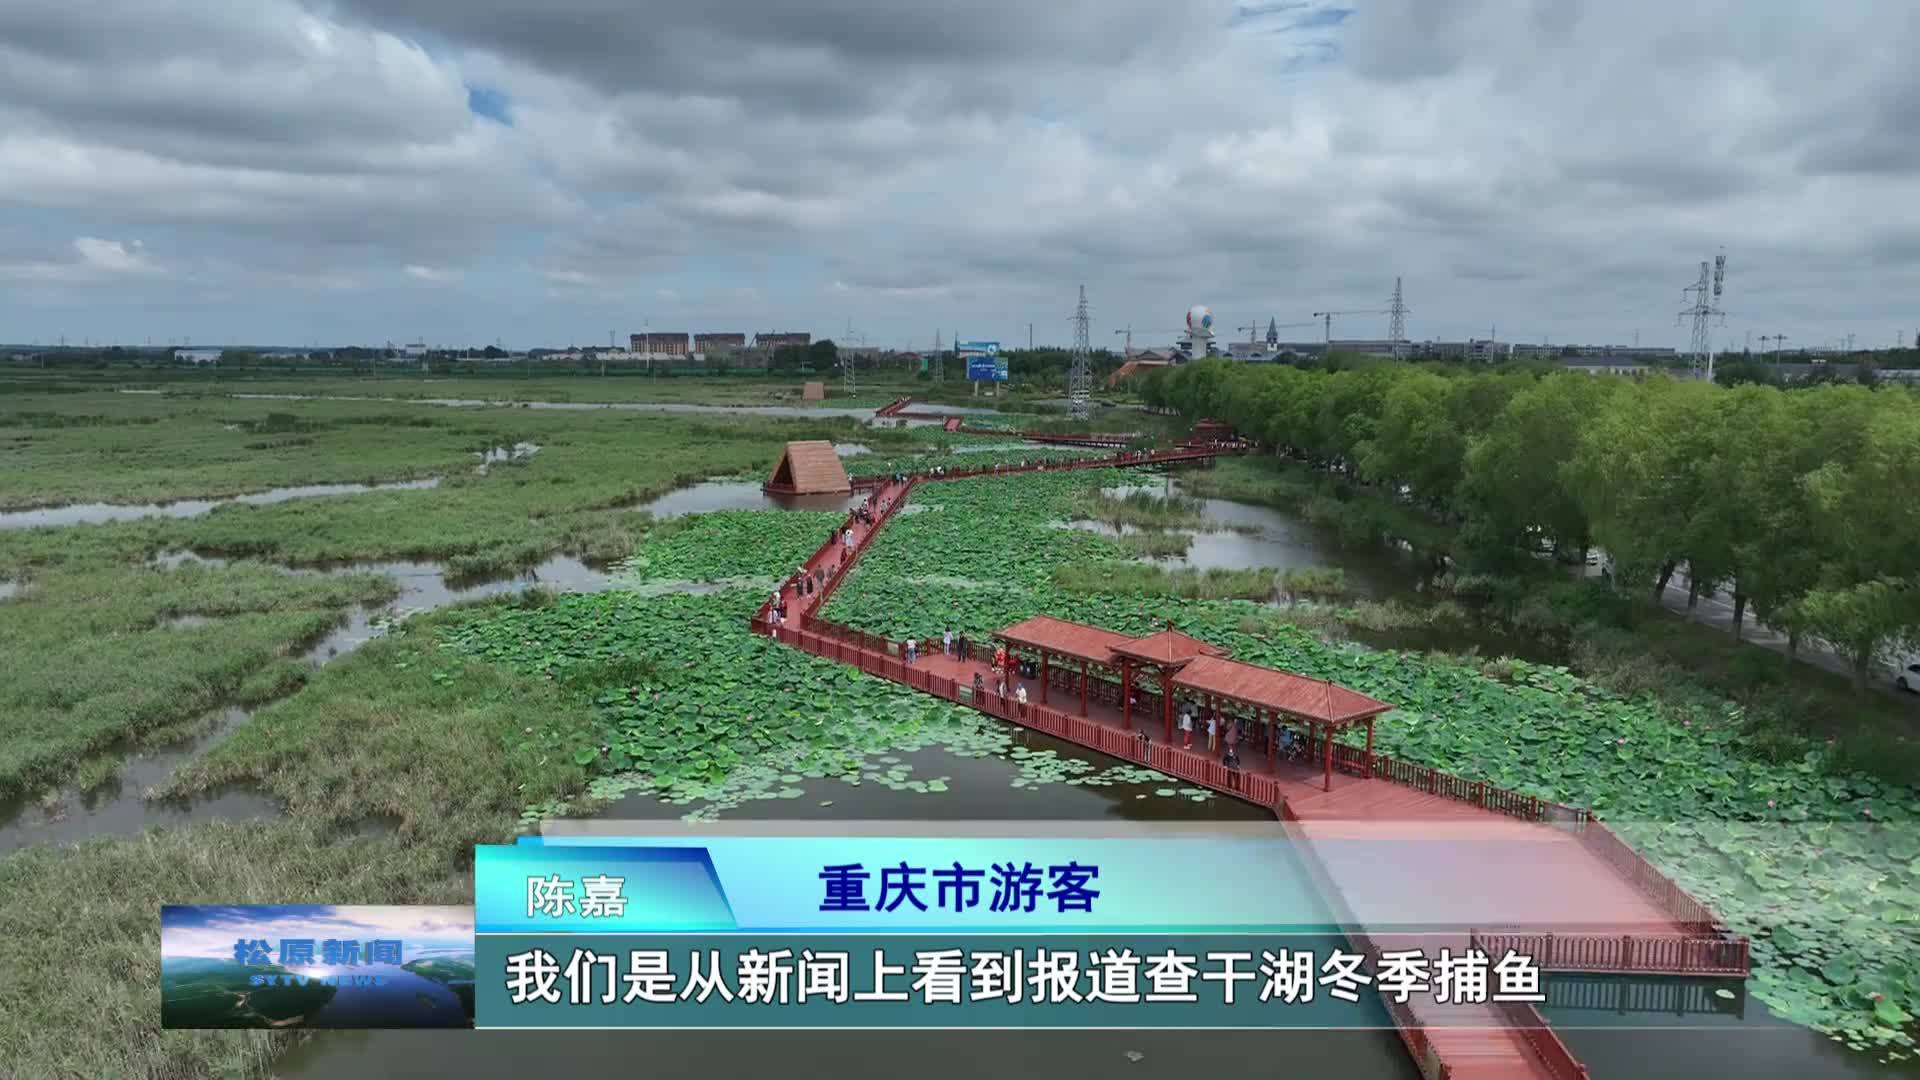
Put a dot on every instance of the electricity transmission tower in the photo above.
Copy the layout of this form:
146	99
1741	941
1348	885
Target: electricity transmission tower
939	359
1397	321
1080	375
849	382
1705	307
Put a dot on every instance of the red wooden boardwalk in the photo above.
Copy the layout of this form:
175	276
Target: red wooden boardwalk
1463	864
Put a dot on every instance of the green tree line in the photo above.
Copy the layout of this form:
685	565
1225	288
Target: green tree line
1803	503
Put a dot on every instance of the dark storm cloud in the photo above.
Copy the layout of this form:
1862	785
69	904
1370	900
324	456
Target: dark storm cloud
831	56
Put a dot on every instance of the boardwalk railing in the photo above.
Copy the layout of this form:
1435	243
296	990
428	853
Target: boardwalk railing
1412	1032
1526	1020
1352	760
1618	954
1662	890
1672	997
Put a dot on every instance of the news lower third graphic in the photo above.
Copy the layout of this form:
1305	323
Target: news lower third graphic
772	925
702	930
316	966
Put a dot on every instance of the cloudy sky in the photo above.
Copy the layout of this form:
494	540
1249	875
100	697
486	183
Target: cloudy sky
273	171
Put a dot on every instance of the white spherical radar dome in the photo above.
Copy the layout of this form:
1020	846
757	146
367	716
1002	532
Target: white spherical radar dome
1199	319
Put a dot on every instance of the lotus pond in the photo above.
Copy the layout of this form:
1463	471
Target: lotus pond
706	719
1822	870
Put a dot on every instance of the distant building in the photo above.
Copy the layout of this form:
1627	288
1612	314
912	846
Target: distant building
1595	365
659	343
708	343
1251	350
775	341
197	356
416	349
1372	347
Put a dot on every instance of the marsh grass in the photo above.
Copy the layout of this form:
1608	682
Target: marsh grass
406	730
1155	544
1137	579
1141	510
1313	583
85	663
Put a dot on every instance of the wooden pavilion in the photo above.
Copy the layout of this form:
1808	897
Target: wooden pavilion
1187	664
809	468
1052	638
1325	707
1166	651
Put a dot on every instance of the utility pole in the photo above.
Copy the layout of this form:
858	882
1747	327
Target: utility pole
1029	337
1080	375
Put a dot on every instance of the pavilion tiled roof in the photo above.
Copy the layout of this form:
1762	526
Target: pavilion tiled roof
1167	648
1295	695
1063	638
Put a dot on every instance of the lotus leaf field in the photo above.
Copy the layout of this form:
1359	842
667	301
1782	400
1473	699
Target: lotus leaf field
1820	869
717	717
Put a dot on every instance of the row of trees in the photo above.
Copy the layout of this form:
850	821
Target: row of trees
1804	503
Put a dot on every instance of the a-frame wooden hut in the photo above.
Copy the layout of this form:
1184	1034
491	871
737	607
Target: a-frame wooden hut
809	468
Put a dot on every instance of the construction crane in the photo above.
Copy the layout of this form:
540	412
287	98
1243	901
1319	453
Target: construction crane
1326	318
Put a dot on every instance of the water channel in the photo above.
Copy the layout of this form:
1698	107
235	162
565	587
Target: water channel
1245	536
95	513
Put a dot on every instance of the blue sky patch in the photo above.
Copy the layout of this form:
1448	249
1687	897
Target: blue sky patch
490	103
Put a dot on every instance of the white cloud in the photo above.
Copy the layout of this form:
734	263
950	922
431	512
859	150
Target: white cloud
112	256
429	273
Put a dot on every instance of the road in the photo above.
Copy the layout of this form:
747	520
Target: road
1716	610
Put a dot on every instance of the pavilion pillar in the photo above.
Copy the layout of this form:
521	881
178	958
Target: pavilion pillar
1044	668
1084	666
1126	693
1369	747
1270	739
1327	754
1166	699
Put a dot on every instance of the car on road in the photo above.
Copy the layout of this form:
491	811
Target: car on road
1906	673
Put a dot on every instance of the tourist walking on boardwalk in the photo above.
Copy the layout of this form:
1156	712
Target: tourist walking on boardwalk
846	538
946	642
979	687
1020	695
1186	726
1213	730
913	650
